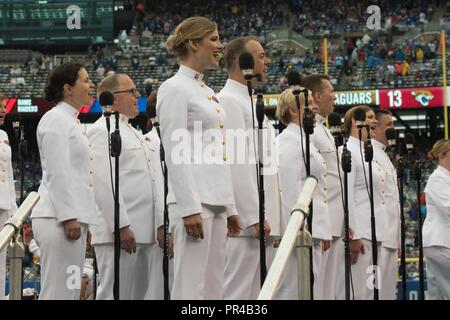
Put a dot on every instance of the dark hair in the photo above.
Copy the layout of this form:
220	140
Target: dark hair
314	82
66	73
381	112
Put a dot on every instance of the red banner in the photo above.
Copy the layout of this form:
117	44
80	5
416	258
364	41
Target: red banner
411	98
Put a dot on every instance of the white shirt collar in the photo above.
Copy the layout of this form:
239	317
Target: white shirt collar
68	109
354	140
378	144
190	73
293	127
443	170
237	86
320	119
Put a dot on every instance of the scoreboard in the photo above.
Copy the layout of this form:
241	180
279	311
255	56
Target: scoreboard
411	98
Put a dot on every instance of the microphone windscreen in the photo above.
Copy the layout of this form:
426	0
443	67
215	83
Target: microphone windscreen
391	134
334	120
246	61
294	78
409	138
106	99
360	115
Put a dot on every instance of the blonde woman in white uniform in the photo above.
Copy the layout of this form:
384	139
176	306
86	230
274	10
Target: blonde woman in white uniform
201	194
67	205
292	177
436	228
8	204
359	207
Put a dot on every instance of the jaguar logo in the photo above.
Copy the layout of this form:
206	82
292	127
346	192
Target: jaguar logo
423	97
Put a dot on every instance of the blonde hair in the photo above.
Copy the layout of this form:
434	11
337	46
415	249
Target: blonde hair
350	115
2	96
193	28
286	100
440	147
109	83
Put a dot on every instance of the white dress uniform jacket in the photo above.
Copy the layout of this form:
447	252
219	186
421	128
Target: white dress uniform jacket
388	260
359	203
293	176
436	234
192	130
8	204
242	280
66	188
7	192
139	190
436	227
236	102
323	140
391	196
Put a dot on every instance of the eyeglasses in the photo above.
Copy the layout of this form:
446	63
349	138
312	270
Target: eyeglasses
133	91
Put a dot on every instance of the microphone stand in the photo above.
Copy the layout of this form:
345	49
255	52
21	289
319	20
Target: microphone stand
368	156
116	148
165	215
400	177
262	247
347	168
308	126
417	175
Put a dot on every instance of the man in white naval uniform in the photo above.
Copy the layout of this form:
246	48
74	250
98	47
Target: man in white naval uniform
140	209
242	267
323	97
391	244
8	204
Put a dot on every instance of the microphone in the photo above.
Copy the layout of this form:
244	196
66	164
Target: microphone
247	64
294	82
410	141
335	124
391	136
106	101
360	118
260	108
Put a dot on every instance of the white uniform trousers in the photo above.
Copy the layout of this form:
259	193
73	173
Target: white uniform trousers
242	268
288	288
389	271
332	258
62	260
199	264
438	272
156	288
361	275
3	218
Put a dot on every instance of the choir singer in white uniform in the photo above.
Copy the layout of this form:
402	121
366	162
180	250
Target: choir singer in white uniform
391	245
140	209
292	177
67	202
201	194
242	267
436	227
359	208
323	97
8	204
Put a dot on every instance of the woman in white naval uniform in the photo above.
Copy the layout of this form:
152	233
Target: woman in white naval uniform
8	204
436	228
201	194
292	177
67	205
359	207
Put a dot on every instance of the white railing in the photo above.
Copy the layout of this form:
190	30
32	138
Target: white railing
295	234
10	234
